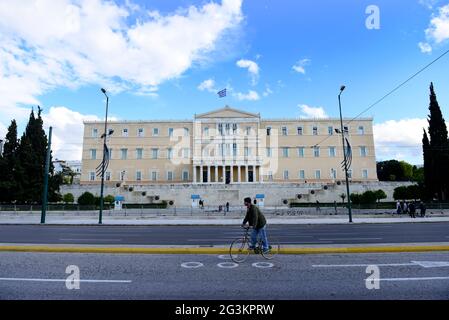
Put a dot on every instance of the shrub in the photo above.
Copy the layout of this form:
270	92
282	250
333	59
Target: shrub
86	198
109	199
68	198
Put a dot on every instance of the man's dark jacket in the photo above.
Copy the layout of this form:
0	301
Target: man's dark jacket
255	218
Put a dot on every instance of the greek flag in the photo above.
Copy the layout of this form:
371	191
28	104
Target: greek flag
222	93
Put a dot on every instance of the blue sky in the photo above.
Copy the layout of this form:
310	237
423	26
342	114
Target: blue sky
274	57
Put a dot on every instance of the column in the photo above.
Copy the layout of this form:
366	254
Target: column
239	175
260	175
246	174
216	174
208	174
232	174
201	174
224	174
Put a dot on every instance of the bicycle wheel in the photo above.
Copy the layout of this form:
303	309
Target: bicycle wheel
239	250
274	248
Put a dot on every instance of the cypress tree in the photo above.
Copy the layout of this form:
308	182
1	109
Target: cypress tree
438	150
10	166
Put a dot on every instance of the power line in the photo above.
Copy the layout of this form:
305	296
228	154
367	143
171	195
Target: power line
393	91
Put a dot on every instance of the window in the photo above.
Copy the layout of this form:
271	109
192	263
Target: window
333	174
299	130
170	154
285	152
234	128
186	132
284	131
139	153
365	174
269	152
330	130
332	152
316	152
170	132
285	174
228	129
154	175
220	129
170	175
361	130
317	174
122	175
234	149
185	175
315	130
93	154
107	176
124	132
155	132
248	131
206	131
154	153
268	131
92	176
363	152
95	133
302	175
247	152
124	153
301	152
110	153
185	153
139	175
140	132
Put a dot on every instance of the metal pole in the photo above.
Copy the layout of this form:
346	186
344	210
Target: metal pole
47	169
344	158
100	219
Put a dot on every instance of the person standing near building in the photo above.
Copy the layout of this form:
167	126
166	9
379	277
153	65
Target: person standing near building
422	208
257	221
227	206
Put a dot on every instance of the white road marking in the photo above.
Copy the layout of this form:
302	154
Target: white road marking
227	265
64	280
263	265
192	265
336	239
208	240
98	239
432	264
413	279
362	265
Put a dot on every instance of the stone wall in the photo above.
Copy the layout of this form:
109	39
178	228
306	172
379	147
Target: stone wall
214	195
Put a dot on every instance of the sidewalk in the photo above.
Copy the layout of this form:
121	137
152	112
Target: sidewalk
139	220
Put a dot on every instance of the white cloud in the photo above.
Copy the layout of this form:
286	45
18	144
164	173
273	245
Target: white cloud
400	139
67	136
252	67
312	112
267	92
250	96
425	47
428	3
3	131
300	66
208	85
438	30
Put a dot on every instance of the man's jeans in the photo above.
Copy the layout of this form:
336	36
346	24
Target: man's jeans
263	235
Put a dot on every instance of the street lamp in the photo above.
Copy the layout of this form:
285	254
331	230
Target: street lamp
345	163
104	136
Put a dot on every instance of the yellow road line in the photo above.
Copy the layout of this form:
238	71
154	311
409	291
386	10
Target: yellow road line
298	250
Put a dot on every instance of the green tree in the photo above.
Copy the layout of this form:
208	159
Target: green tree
380	195
68	198
407	170
393	170
10	179
436	151
86	198
400	193
109	199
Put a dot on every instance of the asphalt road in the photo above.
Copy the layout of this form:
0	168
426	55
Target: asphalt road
223	235
161	277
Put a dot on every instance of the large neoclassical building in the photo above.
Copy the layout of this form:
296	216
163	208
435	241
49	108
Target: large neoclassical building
228	146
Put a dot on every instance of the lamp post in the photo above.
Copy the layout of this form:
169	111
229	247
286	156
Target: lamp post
100	219
345	163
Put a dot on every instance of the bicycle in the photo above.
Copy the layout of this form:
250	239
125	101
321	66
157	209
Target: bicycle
239	249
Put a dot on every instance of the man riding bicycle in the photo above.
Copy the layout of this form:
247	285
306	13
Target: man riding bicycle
257	221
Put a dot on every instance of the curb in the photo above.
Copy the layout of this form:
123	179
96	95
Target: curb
293	251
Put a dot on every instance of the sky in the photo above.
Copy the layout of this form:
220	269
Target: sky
163	59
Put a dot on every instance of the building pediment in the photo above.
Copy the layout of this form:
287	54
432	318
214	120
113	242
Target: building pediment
226	112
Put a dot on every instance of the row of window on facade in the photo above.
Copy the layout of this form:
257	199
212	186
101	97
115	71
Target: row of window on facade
170	175
228	129
225	150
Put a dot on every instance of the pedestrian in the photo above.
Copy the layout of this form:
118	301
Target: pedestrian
422	208
402	207
398	207
335	207
257	221
412	209
318	209
405	208
202	204
227	206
